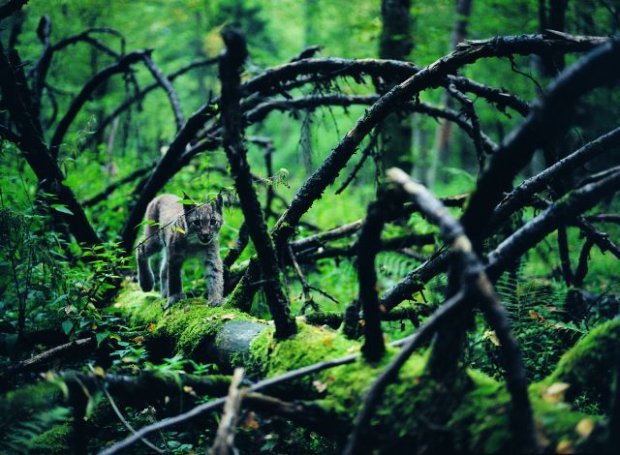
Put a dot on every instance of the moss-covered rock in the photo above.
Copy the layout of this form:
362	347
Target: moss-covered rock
588	366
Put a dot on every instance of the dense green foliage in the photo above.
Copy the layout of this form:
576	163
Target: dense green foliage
50	285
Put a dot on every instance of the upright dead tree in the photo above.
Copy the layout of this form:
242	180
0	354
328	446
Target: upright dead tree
231	64
29	140
552	16
396	43
444	130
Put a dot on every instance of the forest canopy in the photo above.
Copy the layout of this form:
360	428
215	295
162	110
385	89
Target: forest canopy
371	226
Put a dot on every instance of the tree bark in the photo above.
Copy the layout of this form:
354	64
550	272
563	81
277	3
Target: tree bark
396	43
443	134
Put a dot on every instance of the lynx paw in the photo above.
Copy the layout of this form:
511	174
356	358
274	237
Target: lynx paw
173	299
146	282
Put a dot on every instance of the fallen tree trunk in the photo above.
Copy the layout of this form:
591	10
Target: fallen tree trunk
407	417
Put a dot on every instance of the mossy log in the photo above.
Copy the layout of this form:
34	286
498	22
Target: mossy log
416	413
411	412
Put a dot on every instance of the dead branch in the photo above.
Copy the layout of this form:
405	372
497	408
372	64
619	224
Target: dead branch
224	438
582	266
367	249
604	218
498	97
231	64
122	66
368	150
600	238
470	111
71	349
165	84
550	118
325	175
534	231
478	286
334	320
140	95
38	155
519	197
10	7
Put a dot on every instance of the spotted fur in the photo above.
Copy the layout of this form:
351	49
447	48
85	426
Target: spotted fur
180	231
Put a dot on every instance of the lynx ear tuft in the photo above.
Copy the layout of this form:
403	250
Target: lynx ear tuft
219	203
188	203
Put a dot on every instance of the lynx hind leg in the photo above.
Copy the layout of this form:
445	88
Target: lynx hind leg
145	274
149	246
175	284
163	276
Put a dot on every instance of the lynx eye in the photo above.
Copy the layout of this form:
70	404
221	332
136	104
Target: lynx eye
196	222
213	222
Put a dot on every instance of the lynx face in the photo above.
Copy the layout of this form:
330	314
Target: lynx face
204	220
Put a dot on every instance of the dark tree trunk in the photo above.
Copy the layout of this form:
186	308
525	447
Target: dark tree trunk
396	43
552	17
444	130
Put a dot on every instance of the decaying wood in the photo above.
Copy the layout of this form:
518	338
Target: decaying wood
224	438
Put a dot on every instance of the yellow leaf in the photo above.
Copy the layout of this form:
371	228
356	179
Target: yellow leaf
585	427
564	446
151	327
251	422
555	392
138	340
536	316
319	386
189	390
492	337
99	371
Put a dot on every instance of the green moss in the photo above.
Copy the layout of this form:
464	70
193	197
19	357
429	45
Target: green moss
481	423
187	326
22	403
413	407
53	441
270	357
140	308
588	366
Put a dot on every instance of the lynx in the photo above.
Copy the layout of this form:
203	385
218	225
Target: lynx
181	230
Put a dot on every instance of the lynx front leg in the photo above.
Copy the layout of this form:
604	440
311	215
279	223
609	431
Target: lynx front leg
175	284
214	276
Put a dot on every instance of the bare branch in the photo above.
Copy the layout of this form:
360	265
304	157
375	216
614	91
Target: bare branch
38	155
165	83
123	65
225	436
10	7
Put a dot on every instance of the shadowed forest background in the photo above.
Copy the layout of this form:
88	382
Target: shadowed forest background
419	232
